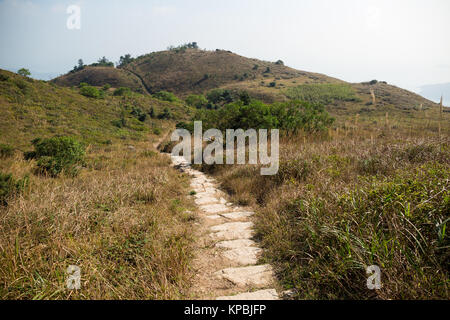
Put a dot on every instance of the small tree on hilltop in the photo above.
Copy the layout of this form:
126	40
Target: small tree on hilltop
24	72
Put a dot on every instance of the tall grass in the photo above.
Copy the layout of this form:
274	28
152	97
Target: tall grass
362	196
324	93
123	221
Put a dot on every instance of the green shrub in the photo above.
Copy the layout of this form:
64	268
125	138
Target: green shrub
3	77
288	116
137	112
119	123
6	151
57	154
9	187
157	131
197	101
165	96
90	92
122	91
166	114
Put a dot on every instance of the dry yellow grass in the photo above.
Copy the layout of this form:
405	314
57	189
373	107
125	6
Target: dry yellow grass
124	221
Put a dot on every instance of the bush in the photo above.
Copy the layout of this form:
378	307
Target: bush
197	101
6	151
122	91
288	116
90	92
137	112
166	114
57	154
120	123
9	187
157	131
165	96
220	96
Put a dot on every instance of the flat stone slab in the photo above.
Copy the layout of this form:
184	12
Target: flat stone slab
244	256
237	215
233	244
215	208
268	294
232	231
201	194
206	200
214	217
257	276
232	226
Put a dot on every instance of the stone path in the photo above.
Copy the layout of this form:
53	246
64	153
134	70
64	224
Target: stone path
227	261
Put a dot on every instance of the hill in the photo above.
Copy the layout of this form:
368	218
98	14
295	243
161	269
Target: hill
184	71
34	108
100	76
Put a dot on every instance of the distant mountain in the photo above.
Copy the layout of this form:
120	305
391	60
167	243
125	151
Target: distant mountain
435	91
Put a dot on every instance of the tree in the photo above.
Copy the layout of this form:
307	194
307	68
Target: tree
124	60
24	72
80	64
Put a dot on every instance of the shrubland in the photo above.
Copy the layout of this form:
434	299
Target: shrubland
366	191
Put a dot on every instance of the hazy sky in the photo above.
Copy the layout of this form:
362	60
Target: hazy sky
405	42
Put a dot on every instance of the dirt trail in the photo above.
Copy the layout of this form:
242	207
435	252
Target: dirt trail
226	263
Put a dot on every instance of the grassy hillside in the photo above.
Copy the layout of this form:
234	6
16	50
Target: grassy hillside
100	76
123	220
194	70
32	108
186	71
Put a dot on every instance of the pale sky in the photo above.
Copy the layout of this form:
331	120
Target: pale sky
404	42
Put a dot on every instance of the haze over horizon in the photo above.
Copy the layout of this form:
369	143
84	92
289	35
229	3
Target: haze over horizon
400	42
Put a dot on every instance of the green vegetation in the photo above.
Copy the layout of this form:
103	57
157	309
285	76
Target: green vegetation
197	101
56	155
6	151
122	91
10	187
91	92
165	96
350	198
80	66
24	72
183	47
124	60
103	62
325	93
290	116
